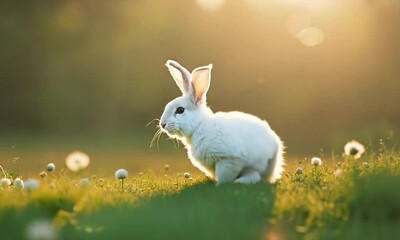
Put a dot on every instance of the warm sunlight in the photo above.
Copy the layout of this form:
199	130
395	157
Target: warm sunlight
200	119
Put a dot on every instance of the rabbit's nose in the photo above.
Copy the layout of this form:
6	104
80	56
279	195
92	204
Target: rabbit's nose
163	125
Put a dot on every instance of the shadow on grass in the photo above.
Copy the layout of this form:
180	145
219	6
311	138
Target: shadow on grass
203	211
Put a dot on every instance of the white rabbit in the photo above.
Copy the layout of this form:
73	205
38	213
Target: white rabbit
228	146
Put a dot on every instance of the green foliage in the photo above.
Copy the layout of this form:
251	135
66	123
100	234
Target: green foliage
377	199
350	199
340	201
199	212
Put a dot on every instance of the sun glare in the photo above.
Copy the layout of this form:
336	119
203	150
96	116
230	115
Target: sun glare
299	25
311	36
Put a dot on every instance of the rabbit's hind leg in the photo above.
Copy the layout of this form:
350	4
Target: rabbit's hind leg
248	176
227	171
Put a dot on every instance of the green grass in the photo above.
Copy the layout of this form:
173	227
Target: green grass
362	202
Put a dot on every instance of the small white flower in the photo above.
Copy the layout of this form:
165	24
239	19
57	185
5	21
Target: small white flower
19	183
42	229
51	167
186	175
84	182
299	170
77	161
121	174
354	149
316	161
5	182
31	185
338	172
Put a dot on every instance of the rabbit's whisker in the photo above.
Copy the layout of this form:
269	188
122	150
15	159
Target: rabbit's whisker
155	119
156	137
159	136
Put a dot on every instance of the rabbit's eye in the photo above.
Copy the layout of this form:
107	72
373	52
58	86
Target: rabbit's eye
179	110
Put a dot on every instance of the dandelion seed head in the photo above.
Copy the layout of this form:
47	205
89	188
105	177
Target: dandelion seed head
18	183
84	182
186	175
354	149
5	182
31	185
50	167
121	174
316	161
77	161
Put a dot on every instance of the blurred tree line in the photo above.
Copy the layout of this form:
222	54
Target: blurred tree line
97	66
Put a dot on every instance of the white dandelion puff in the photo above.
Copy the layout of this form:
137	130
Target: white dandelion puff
84	182
5	182
41	229
354	149
50	167
31	185
316	161
19	183
121	174
186	175
77	161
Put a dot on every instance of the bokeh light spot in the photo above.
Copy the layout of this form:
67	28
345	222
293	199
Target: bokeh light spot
210	5
311	36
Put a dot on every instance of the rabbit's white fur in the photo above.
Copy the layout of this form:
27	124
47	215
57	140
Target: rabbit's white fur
229	146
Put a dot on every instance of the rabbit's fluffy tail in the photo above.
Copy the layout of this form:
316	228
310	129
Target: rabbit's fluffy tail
276	165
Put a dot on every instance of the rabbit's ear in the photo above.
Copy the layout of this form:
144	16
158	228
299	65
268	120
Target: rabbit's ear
180	75
201	78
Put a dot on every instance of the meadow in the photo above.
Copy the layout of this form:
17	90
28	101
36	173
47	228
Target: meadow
325	197
88	76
